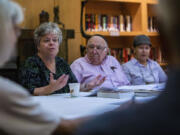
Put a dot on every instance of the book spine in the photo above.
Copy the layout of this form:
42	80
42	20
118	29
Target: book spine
128	26
122	23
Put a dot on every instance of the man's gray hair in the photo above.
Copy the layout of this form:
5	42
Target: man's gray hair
47	28
10	15
10	10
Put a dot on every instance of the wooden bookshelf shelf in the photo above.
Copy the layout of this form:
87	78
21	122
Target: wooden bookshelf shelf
152	1
128	1
163	64
115	34
152	33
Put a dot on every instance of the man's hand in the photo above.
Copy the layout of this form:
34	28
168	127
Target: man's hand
94	83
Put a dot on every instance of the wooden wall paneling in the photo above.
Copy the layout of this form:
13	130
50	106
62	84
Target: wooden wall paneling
32	9
144	17
70	16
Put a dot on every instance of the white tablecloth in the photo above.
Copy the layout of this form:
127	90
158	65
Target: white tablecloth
74	107
65	106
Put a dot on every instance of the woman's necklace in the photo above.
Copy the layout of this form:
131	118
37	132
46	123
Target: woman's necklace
151	74
52	68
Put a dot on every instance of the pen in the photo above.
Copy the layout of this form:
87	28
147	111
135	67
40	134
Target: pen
113	68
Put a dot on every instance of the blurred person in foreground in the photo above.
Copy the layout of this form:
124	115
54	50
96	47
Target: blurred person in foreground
161	115
19	113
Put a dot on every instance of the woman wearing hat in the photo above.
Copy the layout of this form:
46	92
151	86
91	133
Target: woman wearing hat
141	69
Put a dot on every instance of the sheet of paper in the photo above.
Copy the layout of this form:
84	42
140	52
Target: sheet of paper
159	86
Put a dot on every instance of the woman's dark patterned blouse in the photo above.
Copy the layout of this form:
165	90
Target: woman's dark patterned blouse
34	74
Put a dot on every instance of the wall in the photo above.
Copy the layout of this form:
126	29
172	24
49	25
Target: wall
69	15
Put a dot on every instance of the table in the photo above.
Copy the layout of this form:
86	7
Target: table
74	107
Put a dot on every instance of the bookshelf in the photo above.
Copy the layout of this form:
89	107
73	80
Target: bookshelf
139	11
112	9
105	17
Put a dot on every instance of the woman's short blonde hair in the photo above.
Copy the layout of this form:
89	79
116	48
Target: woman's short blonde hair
47	28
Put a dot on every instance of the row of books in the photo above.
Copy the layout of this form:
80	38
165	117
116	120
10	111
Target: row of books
123	55
132	91
152	24
101	22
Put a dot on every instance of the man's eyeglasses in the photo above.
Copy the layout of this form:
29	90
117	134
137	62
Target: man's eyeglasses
98	47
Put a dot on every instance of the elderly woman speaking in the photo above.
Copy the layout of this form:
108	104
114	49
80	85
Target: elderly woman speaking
45	73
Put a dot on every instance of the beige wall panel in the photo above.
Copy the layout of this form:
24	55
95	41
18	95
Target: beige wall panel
32	9
70	13
74	47
70	16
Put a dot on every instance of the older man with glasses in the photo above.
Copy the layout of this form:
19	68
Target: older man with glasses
99	66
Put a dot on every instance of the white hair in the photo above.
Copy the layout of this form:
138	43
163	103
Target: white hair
99	36
10	14
47	28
